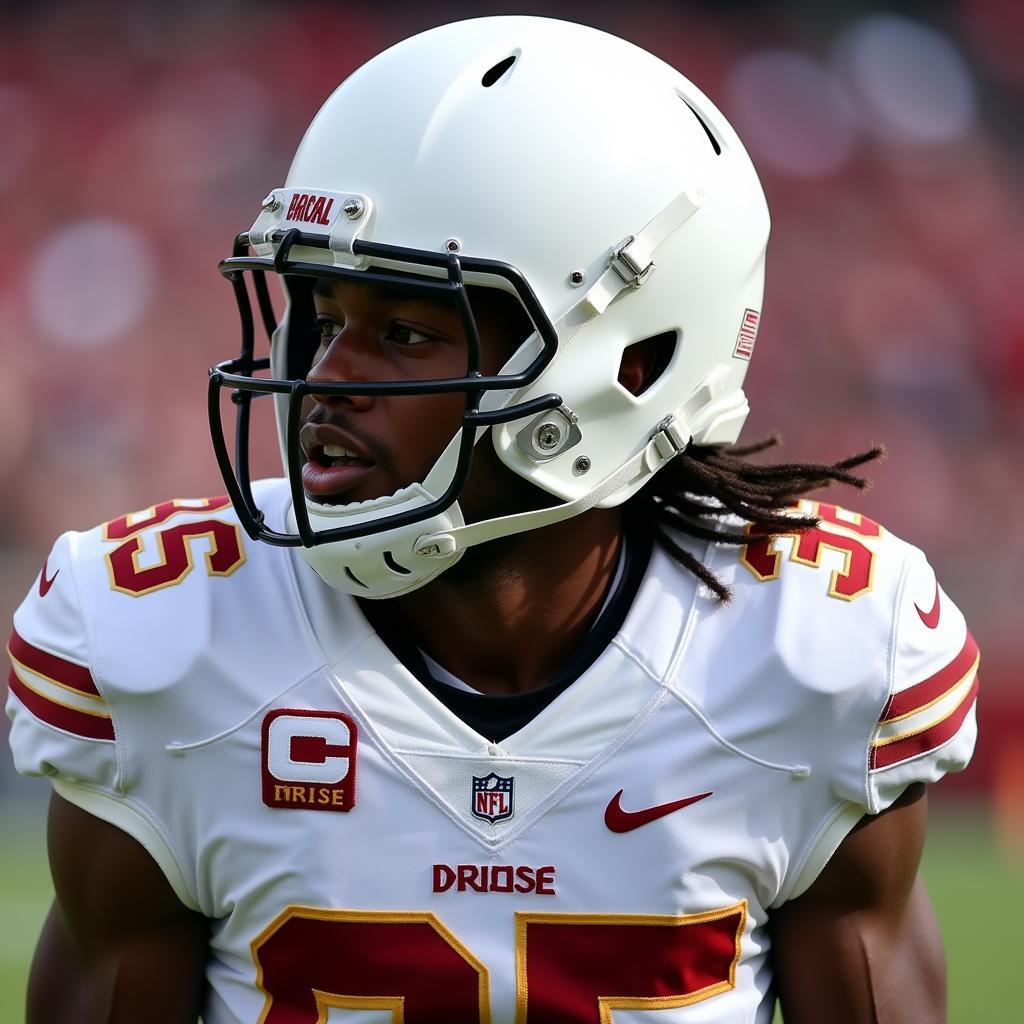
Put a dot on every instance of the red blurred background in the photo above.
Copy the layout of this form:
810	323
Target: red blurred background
137	140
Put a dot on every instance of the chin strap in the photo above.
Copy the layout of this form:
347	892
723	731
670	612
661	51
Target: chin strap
673	435
665	444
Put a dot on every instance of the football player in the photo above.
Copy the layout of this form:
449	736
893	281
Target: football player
525	695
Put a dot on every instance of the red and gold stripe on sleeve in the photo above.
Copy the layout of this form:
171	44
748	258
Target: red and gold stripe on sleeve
922	717
57	691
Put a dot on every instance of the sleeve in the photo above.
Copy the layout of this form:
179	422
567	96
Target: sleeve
61	725
927	726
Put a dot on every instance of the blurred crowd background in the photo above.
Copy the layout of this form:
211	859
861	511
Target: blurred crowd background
136	139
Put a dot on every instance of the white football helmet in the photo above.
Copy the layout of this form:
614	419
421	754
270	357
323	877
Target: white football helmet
558	163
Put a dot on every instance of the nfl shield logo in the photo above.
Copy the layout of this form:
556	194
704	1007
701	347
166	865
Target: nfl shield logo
492	797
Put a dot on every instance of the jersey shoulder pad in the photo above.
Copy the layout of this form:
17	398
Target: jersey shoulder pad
182	621
61	721
927	725
847	632
840	660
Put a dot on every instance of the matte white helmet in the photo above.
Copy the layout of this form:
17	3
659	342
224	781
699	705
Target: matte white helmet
560	164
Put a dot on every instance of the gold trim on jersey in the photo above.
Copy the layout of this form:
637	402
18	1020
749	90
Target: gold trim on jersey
963	684
853	531
606	1004
144	519
56	682
965	678
95	712
837	573
325	1002
370	917
164	558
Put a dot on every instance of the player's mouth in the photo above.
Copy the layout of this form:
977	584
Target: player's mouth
335	463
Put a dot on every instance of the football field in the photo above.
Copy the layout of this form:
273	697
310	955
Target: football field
977	895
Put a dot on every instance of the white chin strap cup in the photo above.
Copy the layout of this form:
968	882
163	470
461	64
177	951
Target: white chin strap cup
386	564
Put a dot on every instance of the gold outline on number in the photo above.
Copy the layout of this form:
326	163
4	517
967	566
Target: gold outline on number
822	530
187	539
854	524
369	917
144	514
606	1004
325	1002
769	546
837	574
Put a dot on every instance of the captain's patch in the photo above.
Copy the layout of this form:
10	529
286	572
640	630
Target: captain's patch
309	760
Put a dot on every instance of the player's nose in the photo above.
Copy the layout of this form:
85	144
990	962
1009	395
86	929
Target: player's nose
344	361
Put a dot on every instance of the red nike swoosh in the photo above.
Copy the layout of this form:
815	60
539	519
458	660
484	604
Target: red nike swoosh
931	617
44	583
619	820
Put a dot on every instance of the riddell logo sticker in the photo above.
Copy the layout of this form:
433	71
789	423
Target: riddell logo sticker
748	334
309	760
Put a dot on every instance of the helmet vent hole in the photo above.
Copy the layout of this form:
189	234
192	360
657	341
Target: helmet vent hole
707	131
493	74
354	578
645	361
389	561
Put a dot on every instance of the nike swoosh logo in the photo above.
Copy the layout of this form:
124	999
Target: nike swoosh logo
44	583
619	820
931	617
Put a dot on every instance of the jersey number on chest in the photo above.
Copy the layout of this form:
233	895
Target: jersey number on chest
570	968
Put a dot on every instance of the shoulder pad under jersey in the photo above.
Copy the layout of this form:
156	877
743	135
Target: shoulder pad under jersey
160	627
854	614
838	657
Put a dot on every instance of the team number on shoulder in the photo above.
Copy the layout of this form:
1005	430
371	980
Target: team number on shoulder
837	530
131	565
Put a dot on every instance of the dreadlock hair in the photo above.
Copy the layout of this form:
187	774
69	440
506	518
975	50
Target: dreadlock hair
705	482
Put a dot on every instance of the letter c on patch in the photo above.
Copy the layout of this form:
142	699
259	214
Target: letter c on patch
334	739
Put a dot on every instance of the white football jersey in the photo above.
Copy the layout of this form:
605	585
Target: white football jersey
363	853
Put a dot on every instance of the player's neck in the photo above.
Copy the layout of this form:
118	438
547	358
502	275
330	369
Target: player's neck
510	618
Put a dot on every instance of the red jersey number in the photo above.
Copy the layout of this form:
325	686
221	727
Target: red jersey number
570	968
174	544
835	532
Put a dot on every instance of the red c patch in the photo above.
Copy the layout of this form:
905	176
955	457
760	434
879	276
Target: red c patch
309	760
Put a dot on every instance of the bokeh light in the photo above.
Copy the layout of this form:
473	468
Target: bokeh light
913	85
91	281
792	114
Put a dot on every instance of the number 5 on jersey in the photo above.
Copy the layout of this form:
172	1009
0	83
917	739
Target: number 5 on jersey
224	552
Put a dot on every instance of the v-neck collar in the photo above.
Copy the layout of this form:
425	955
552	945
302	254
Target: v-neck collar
498	716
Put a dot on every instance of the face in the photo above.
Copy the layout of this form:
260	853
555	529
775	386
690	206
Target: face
360	447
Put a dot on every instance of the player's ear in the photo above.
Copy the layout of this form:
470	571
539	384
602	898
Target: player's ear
643	362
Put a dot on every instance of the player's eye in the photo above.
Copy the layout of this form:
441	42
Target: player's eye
403	334
327	329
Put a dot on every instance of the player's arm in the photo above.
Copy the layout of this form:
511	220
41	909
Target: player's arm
118	946
861	945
